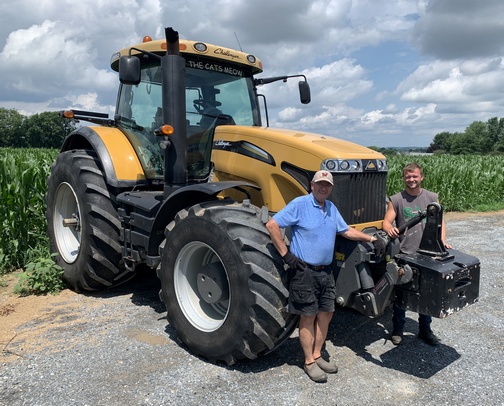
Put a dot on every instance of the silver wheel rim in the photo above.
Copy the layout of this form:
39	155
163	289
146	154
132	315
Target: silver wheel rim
66	223
189	266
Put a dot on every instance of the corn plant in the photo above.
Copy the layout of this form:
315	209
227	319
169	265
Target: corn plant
23	180
464	183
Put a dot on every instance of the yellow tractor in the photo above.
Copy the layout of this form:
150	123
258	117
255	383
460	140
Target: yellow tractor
183	179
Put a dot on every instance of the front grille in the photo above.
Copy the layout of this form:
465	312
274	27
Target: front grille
360	197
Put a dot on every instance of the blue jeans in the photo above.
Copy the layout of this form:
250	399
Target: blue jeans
399	319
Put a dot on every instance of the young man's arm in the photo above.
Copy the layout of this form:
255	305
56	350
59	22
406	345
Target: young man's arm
443	234
388	221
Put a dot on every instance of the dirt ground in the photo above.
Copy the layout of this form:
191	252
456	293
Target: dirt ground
49	312
52	312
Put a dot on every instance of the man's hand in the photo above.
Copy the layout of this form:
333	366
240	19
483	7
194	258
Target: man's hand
293	261
379	245
393	232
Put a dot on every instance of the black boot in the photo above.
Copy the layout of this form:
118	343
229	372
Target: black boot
428	337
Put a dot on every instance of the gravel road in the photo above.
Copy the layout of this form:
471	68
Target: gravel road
116	348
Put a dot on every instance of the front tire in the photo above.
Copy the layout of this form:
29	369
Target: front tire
83	225
221	283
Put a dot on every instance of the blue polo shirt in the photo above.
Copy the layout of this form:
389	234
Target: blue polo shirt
313	231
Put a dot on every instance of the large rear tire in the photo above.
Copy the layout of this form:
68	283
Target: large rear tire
221	283
83	225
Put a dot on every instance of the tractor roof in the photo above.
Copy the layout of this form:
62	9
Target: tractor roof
198	50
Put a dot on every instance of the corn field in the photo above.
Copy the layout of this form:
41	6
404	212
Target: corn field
463	183
23	234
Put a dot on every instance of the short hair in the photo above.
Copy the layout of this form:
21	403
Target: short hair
411	167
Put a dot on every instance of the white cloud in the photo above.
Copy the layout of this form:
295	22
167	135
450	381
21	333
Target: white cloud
290	114
453	29
46	61
447	72
476	83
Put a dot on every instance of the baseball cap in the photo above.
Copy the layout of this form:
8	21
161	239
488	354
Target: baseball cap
323	176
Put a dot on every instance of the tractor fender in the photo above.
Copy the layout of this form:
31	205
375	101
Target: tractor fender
184	198
121	166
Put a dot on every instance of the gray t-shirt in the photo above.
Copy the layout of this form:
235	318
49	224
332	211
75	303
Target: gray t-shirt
407	207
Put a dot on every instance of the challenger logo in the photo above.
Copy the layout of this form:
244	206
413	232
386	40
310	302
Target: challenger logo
222	144
244	148
370	166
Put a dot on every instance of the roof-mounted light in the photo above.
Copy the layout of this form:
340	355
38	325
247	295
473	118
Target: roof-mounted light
182	47
147	39
251	58
68	114
200	47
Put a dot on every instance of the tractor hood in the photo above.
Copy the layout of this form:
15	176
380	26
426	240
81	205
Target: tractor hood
276	140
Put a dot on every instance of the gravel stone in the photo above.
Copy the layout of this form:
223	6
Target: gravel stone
120	350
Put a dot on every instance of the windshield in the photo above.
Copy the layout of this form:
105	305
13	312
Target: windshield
213	97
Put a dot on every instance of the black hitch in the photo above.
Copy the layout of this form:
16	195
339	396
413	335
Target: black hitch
432	281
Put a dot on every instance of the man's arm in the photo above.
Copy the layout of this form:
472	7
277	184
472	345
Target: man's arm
278	241
388	221
276	237
356	235
443	234
379	244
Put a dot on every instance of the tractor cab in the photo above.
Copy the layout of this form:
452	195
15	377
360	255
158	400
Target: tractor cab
213	97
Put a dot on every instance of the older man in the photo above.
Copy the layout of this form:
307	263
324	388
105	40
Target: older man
314	223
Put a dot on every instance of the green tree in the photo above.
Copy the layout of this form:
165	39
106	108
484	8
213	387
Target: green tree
476	134
499	145
464	144
493	131
46	130
496	134
388	151
441	142
10	128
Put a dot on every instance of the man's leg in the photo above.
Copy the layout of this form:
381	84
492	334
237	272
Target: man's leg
307	339
321	326
398	321
398	318
307	336
424	331
424	322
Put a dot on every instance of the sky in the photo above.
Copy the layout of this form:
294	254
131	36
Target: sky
386	73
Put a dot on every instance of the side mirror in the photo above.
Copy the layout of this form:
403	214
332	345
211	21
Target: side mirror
304	92
129	70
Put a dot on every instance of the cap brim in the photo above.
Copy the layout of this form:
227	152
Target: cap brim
323	180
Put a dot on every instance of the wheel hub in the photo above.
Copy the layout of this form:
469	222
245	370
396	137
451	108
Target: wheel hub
212	283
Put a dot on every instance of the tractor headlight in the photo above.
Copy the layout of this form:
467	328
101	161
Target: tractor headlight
381	164
342	165
330	165
354	165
